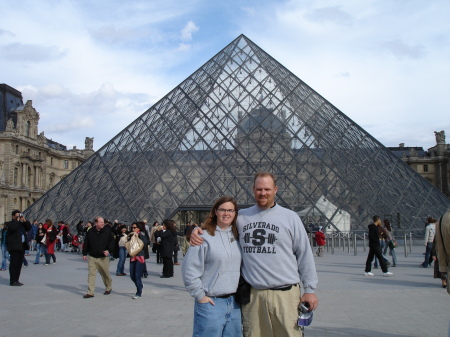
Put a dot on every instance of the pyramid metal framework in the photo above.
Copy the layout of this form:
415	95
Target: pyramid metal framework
242	112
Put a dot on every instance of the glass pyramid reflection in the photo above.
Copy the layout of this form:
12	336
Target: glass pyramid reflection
240	113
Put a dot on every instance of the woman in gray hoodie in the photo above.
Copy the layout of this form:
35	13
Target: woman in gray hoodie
211	273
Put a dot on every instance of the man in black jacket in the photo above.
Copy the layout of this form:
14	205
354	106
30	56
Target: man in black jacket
16	245
375	249
99	244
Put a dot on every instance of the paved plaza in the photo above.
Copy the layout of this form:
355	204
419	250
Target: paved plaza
410	303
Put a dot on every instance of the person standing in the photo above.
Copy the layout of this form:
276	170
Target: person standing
51	235
16	245
99	244
276	257
390	242
168	242
443	248
5	254
375	249
320	240
211	273
40	234
121	238
137	263
430	232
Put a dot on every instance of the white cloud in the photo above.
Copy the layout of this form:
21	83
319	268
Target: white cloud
188	30
18	52
333	14
4	32
401	50
381	63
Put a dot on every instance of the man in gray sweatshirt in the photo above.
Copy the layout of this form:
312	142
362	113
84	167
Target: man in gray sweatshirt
276	257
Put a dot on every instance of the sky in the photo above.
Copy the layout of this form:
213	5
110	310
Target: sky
92	67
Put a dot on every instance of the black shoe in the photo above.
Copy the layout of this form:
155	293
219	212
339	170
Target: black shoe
16	284
88	296
162	276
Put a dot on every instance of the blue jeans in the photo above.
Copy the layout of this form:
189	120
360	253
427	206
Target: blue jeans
136	275
222	319
392	253
5	256
427	255
38	252
122	257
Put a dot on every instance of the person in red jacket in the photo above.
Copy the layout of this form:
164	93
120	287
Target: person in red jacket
320	240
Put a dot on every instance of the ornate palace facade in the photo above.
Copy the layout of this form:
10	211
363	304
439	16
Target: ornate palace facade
433	165
30	164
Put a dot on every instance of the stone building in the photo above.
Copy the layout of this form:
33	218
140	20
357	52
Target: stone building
30	164
433	164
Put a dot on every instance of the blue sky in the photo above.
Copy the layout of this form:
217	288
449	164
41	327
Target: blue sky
92	67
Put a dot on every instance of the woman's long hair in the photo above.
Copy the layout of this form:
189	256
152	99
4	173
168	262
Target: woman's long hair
170	225
387	224
211	222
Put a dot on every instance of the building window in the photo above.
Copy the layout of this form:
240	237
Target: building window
17	149
51	161
27	130
425	168
16	174
66	164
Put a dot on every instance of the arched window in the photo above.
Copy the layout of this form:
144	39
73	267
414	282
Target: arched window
27	130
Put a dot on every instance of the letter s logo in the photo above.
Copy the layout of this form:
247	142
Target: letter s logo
258	237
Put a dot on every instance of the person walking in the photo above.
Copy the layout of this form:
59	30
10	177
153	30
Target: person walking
99	244
320	240
430	232
375	249
390	242
16	245
211	273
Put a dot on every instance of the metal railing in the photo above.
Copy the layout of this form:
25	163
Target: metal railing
357	240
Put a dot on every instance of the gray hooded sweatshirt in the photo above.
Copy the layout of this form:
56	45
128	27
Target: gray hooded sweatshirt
213	268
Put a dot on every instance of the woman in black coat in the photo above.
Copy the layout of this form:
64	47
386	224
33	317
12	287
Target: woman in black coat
168	242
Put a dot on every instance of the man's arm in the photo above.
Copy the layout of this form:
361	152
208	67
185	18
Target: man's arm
196	239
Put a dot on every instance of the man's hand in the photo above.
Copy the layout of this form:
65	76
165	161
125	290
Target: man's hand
196	239
106	252
311	299
84	257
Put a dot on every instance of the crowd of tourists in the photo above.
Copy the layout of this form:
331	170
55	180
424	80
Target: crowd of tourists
250	271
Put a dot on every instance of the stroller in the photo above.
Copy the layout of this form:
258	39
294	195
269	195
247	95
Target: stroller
75	244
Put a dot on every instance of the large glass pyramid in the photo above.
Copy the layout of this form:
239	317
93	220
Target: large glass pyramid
240	113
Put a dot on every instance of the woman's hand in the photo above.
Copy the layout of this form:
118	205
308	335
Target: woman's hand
207	299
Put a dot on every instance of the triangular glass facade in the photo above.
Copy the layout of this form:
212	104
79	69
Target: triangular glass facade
240	113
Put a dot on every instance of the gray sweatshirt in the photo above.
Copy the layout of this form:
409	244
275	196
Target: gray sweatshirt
275	249
213	268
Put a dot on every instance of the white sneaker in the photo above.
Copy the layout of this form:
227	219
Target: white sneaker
388	273
136	297
369	274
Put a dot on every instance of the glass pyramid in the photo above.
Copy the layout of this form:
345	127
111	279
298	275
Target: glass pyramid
240	113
